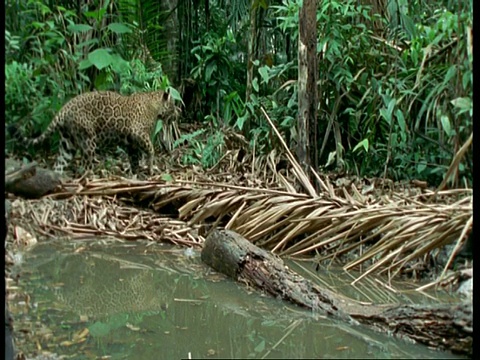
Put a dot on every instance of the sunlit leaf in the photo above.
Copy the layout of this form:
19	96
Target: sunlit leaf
84	64
95	14
421	167
175	94
260	347
263	71
364	143
119	28
446	125
78	28
100	58
462	103
331	158
255	84
241	121
167	177
158	128
401	120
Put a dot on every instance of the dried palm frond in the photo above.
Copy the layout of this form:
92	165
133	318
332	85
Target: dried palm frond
398	229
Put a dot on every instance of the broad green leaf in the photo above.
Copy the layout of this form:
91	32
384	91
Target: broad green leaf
167	177
84	64
158	128
255	84
241	121
467	79
78	28
119	28
463	103
263	71
421	167
100	58
89	42
37	24
260	347
95	14
409	25
119	64
386	116
364	143
331	158
175	94
401	120
450	74
209	71
391	106
446	125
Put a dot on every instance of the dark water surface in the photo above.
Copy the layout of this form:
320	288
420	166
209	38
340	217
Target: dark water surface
109	299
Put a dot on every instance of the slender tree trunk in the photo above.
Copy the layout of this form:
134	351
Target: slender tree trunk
307	86
207	14
252	46
376	7
170	64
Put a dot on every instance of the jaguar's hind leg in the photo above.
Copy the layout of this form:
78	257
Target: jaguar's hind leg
66	154
138	144
90	144
85	141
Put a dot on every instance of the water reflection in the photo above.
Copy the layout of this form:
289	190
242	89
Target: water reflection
142	301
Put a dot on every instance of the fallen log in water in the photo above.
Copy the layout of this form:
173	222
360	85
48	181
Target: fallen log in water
444	326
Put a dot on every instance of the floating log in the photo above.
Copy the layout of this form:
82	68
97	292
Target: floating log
444	326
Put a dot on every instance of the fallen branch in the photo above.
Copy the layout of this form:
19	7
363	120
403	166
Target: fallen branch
30	181
24	173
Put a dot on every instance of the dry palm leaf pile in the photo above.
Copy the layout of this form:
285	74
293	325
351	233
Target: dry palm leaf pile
372	225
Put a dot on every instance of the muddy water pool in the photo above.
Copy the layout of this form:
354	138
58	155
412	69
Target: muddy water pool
114	300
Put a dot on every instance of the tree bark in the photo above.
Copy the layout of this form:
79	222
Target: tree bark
307	86
252	47
445	326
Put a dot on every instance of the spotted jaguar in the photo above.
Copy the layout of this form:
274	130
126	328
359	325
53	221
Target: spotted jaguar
99	119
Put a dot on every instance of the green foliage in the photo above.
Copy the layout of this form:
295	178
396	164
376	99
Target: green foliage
200	149
397	85
218	75
402	102
39	69
53	55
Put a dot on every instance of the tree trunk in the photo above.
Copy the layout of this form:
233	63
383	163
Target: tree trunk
377	7
252	47
445	326
171	25
307	86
